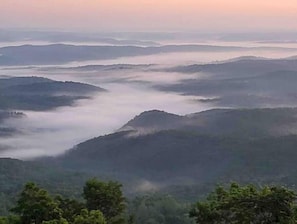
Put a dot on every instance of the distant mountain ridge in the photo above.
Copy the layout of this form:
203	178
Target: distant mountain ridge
243	83
62	53
247	66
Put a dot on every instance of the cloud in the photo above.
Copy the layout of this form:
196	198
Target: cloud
53	132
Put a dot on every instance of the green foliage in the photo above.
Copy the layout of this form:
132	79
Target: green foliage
56	221
156	209
104	196
35	205
92	217
245	205
70	208
10	220
234	205
14	174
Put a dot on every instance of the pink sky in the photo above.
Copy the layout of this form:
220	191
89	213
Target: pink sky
142	15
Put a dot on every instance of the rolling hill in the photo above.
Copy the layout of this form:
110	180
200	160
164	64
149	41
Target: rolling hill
14	174
63	53
243	83
251	145
185	156
37	93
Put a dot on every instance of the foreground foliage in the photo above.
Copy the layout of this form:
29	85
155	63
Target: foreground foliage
105	204
106	197
92	217
159	209
246	205
36	206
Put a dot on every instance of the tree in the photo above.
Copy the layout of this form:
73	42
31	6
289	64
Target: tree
106	197
245	205
10	220
56	221
92	217
35	206
70	208
159	209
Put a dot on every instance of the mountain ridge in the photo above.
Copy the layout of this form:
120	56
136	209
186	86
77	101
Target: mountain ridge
208	149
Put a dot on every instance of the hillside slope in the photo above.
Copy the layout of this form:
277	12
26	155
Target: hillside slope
15	173
38	93
209	147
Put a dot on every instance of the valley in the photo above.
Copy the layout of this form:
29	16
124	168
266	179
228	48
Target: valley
159	127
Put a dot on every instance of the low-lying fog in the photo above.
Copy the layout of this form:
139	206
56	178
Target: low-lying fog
185	58
51	133
129	93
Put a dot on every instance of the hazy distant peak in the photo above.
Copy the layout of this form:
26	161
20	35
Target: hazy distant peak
151	112
246	58
209	112
12	81
292	58
32	78
109	67
154	120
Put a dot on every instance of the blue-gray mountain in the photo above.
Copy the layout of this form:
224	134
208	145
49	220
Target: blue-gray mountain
207	147
37	93
247	83
62	53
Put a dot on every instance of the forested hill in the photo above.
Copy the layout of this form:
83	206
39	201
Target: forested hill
38	93
63	53
255	145
15	173
183	155
228	122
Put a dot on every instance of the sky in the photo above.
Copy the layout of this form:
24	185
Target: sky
151	15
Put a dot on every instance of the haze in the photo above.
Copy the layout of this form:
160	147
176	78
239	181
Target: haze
150	15
161	41
103	114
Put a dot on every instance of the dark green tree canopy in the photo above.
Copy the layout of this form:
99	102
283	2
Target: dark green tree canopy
10	220
35	205
159	209
56	221
246	205
70	208
104	196
92	217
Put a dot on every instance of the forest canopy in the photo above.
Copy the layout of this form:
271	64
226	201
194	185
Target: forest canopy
104	203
